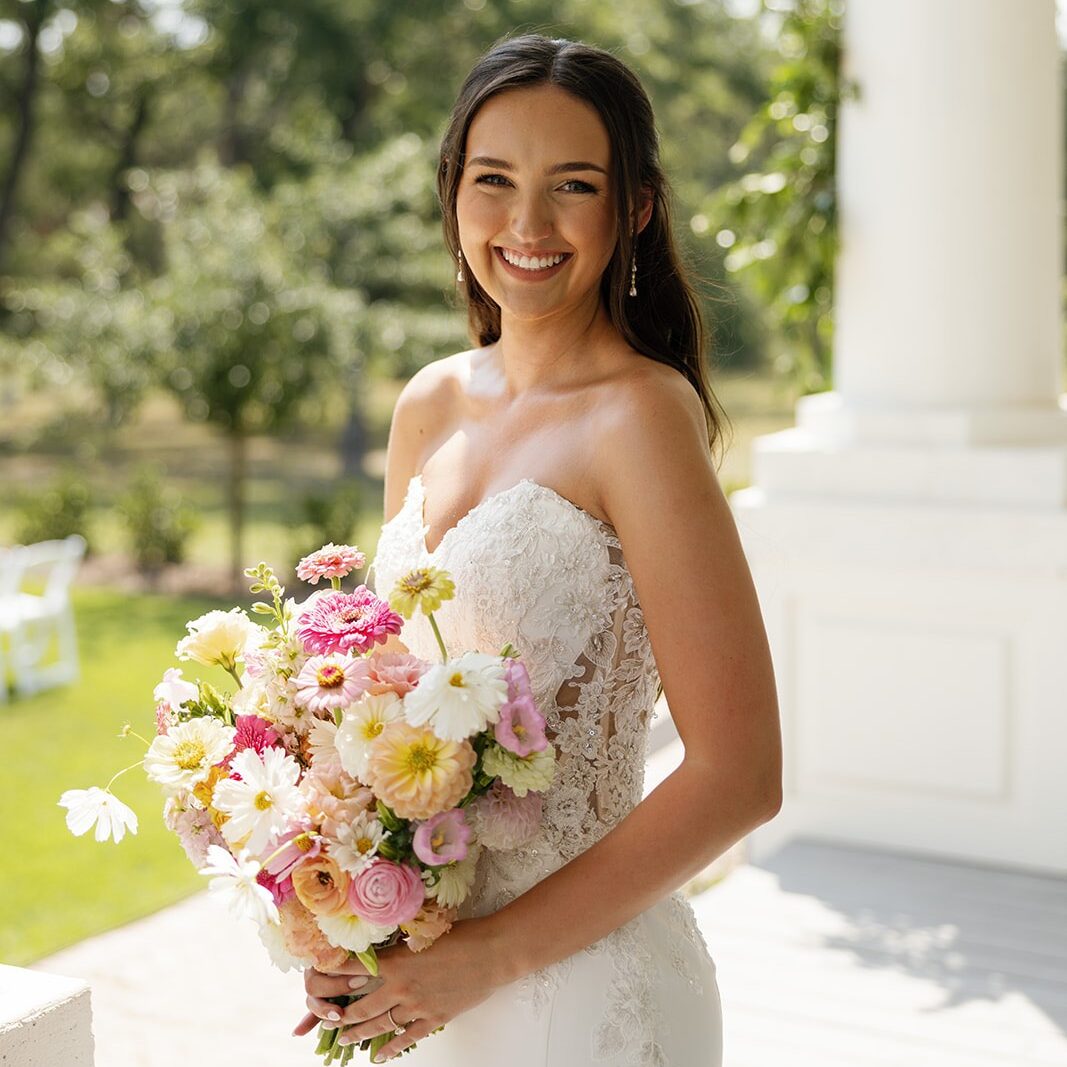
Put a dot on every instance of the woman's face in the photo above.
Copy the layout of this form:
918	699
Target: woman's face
535	206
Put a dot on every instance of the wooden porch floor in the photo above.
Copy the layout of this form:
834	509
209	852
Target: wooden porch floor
836	956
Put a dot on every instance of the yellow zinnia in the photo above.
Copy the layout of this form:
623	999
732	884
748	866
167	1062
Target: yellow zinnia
424	587
418	773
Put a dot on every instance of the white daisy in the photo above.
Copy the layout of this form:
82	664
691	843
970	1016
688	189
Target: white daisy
264	802
362	723
459	698
348	930
95	806
185	754
357	843
234	880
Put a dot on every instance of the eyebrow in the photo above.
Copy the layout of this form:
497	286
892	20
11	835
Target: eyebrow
559	168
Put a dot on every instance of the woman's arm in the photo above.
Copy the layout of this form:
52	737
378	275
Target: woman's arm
659	487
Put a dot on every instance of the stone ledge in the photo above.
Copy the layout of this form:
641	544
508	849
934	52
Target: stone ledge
45	1020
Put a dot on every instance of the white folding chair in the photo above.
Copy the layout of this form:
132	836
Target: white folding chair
10	576
31	621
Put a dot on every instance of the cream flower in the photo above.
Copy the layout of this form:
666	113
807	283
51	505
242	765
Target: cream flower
521	773
459	698
273	937
220	638
100	808
349	931
455	881
234	880
361	724
185	754
265	800
322	748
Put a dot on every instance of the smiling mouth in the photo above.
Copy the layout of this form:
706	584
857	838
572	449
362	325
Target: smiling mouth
532	264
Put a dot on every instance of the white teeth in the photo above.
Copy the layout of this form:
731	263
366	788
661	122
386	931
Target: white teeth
531	262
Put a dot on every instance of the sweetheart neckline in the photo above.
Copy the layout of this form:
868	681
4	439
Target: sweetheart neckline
486	500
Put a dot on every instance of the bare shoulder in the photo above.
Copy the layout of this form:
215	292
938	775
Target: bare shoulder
425	405
651	420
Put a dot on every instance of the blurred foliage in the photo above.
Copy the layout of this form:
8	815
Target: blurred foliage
780	217
60	510
158	521
329	517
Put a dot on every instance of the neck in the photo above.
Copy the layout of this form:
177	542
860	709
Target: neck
553	351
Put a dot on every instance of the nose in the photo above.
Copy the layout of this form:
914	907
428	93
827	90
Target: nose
531	218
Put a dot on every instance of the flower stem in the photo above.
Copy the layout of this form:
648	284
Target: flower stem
336	583
437	634
107	788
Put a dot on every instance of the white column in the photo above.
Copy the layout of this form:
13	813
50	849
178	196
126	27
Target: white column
909	535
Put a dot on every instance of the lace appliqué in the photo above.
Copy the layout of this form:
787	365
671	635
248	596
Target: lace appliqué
533	568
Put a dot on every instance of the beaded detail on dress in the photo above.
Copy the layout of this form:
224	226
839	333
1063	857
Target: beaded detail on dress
533	568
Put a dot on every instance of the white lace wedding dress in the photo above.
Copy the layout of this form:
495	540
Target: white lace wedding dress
533	568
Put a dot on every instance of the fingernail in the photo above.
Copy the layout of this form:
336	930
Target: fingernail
357	983
333	1016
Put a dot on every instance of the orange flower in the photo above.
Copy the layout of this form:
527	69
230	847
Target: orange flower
321	886
418	773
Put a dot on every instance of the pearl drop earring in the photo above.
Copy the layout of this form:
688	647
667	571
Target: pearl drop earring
633	276
459	273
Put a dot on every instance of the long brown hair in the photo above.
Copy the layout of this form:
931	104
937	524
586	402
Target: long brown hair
663	321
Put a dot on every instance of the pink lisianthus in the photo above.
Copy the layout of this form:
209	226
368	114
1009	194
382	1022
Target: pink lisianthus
501	820
330	561
333	681
520	728
395	672
442	838
346	622
387	893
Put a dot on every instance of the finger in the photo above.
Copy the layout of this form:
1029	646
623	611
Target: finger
370	1006
306	1025
416	1031
372	1027
318	984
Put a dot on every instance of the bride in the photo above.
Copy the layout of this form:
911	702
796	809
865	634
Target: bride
562	473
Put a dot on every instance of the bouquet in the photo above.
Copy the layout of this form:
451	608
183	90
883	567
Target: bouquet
337	795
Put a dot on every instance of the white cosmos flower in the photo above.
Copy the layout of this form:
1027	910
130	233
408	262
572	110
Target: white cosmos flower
348	930
321	742
357	842
184	756
264	802
459	698
362	723
456	879
234	881
95	806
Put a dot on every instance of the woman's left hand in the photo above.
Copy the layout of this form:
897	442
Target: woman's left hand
424	989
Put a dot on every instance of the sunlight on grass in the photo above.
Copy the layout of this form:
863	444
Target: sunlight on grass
56	889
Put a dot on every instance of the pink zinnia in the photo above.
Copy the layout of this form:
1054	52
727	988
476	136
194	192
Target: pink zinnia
343	622
442	838
520	727
387	893
330	561
333	681
395	672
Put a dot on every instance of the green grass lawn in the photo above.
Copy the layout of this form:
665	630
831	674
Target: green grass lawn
56	889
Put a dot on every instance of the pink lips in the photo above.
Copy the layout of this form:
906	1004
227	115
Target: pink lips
531	275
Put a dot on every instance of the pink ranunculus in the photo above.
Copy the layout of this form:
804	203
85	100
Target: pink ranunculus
386	893
395	672
330	561
343	622
502	820
254	732
442	838
328	682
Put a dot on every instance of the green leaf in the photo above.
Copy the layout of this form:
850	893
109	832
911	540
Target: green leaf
369	960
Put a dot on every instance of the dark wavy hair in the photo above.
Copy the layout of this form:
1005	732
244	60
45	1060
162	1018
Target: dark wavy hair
664	321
